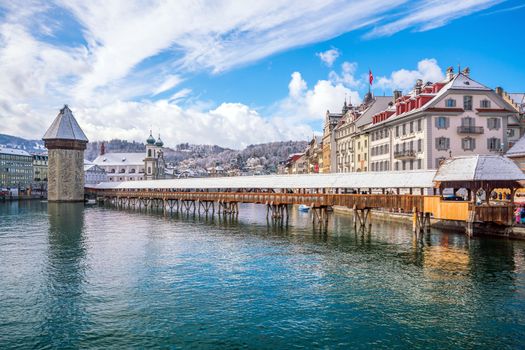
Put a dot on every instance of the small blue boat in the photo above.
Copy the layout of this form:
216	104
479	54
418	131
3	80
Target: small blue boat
304	208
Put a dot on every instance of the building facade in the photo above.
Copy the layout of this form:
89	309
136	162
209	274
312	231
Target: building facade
40	166
435	121
93	174
16	168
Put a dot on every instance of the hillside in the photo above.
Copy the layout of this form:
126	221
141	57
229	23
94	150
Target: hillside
185	156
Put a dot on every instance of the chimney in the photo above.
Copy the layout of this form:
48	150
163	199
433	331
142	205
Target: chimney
499	90
450	73
397	94
102	149
466	71
418	86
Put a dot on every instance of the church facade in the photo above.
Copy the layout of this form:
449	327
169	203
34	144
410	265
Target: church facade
134	166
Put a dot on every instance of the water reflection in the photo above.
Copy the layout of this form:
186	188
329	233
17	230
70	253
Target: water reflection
65	318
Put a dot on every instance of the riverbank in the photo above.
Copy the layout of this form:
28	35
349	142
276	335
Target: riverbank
481	229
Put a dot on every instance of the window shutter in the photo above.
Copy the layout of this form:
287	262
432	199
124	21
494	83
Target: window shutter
447	123
489	144
447	143
437	122
473	144
490	123
498	123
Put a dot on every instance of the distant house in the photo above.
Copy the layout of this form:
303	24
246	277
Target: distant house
94	174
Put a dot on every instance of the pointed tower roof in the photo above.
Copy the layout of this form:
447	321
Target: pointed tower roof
65	127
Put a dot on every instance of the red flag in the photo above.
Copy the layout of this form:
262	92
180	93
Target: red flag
370	77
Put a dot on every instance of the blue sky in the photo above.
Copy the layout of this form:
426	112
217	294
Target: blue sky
228	73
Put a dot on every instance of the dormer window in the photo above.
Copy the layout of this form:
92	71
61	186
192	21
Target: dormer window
485	104
450	103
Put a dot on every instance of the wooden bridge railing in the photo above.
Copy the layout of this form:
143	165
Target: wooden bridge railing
360	201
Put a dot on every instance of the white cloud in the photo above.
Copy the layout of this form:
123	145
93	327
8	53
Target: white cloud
169	83
297	85
429	14
230	124
180	95
303	105
404	79
347	76
329	56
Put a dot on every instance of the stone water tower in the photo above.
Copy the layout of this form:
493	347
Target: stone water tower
66	143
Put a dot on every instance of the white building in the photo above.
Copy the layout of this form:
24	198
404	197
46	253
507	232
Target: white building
94	174
134	166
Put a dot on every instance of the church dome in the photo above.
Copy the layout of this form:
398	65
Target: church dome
159	142
151	139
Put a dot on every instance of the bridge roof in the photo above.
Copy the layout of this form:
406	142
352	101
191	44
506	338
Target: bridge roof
390	179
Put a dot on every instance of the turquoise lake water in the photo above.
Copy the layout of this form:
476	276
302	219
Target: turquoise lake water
90	277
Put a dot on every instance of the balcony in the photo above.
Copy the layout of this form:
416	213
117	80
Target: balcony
405	154
470	130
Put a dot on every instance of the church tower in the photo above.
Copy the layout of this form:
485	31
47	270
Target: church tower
150	162
66	143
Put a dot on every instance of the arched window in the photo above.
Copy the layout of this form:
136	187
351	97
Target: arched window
122	171
149	153
112	171
132	171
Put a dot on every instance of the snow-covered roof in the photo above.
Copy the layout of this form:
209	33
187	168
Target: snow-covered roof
379	104
92	167
365	180
14	152
120	159
463	82
65	127
518	149
479	168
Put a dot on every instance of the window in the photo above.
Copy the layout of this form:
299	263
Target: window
511	132
411	127
467	103
396	166
450	102
468	144
411	164
493	123
493	144
149	153
397	131
404	129
485	104
442	122
149	170
420	145
404	165
468	121
442	143
419	163
419	125
397	147
122	171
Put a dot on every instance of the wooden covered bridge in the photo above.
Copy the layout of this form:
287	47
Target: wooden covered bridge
416	192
